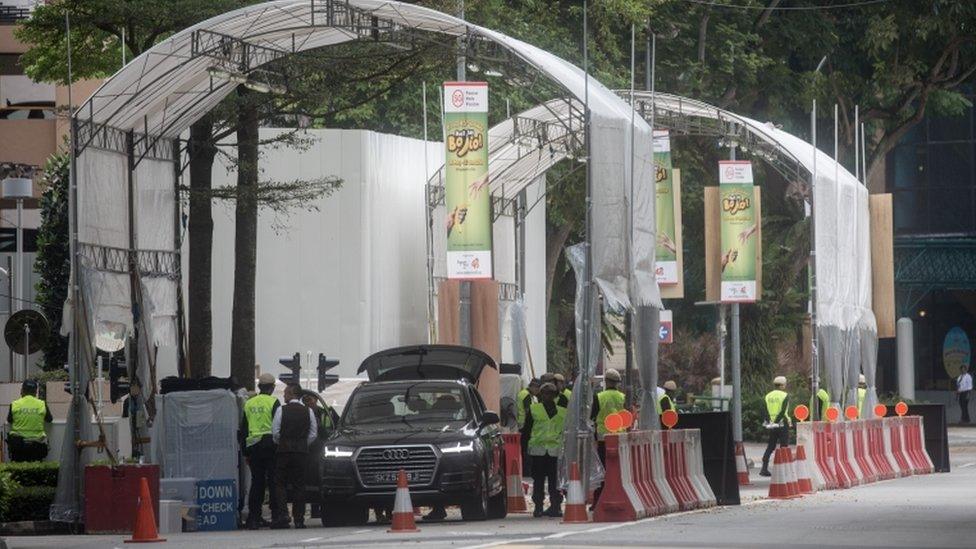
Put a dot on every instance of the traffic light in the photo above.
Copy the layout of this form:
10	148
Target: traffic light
293	363
324	366
118	377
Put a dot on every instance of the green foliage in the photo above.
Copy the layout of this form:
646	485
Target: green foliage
50	375
30	503
7	488
53	263
40	473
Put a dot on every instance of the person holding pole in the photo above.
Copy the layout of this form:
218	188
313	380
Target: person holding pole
777	406
822	402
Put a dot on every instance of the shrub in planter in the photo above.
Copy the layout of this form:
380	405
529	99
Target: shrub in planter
35	473
30	503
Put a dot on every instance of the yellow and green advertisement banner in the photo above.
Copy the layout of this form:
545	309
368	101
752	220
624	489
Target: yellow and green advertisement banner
739	227
468	198
666	256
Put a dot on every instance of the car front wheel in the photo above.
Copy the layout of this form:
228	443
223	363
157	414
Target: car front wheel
476	508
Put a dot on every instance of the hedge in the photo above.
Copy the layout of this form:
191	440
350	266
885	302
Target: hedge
29	503
34	473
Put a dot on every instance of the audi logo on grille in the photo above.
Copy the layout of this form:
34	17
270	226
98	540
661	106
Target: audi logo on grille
396	454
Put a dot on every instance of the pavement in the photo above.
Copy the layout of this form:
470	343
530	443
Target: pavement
920	511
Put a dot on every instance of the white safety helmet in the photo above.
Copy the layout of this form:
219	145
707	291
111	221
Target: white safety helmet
779	380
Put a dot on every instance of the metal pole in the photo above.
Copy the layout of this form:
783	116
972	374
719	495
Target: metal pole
628	374
720	332
19	280
464	306
10	310
812	265
431	332
582	430
736	363
26	347
74	350
864	159
857	152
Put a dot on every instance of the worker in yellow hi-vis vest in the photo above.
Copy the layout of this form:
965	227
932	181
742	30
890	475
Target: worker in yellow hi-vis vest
862	391
27	439
778	424
259	447
544	426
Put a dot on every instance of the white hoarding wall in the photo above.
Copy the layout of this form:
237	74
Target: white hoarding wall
350	278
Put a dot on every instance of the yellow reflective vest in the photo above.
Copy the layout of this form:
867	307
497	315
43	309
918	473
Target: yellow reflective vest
610	401
861	393
259	411
520	406
28	418
824	398
776	401
547	432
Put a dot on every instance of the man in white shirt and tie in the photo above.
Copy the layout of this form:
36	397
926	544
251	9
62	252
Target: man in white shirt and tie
964	384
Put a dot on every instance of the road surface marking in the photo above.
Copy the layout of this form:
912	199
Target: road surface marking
604	528
970	464
310	540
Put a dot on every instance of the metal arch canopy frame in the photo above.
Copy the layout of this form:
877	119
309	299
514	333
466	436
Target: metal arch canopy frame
164	90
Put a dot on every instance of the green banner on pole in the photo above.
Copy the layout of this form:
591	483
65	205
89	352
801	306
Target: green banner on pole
739	231
468	198
666	265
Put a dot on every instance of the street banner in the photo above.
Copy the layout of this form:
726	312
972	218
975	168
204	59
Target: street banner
666	331
739	226
667	253
468	198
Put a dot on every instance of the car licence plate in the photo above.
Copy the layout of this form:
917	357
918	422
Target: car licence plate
391	478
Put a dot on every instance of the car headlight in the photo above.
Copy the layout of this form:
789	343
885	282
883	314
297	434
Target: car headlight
336	452
457	447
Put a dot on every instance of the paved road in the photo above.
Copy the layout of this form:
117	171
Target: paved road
925	511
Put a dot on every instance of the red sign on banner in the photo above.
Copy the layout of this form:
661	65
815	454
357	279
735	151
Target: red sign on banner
666	330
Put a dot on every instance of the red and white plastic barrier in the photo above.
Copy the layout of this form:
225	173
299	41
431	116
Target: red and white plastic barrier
652	472
849	453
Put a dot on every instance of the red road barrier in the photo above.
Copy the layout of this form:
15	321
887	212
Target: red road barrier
875	429
861	451
677	474
652	472
915	433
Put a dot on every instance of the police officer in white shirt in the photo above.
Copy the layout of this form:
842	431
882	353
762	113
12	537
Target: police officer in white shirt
964	384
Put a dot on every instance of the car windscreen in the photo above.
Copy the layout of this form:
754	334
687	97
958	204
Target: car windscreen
406	403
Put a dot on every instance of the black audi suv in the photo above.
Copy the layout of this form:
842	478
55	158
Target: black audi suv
420	412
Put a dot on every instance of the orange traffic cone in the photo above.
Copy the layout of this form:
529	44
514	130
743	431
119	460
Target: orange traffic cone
516	493
575	501
402	508
803	481
145	528
790	468
779	483
742	471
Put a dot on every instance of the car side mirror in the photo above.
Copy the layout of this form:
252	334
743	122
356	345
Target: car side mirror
490	418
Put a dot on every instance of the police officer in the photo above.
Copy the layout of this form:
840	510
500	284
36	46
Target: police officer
608	401
544	425
525	398
259	447
666	397
564	392
862	391
326	419
823	401
294	430
777	406
28	414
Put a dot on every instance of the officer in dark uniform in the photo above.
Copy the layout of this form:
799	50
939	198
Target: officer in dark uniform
294	429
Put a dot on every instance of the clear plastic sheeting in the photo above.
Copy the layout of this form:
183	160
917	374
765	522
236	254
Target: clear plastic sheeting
195	435
511	319
869	363
579	439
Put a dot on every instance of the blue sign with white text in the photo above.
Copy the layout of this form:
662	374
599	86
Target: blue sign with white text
218	504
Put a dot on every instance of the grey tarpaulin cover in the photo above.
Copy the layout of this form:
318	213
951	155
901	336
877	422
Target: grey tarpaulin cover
195	434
